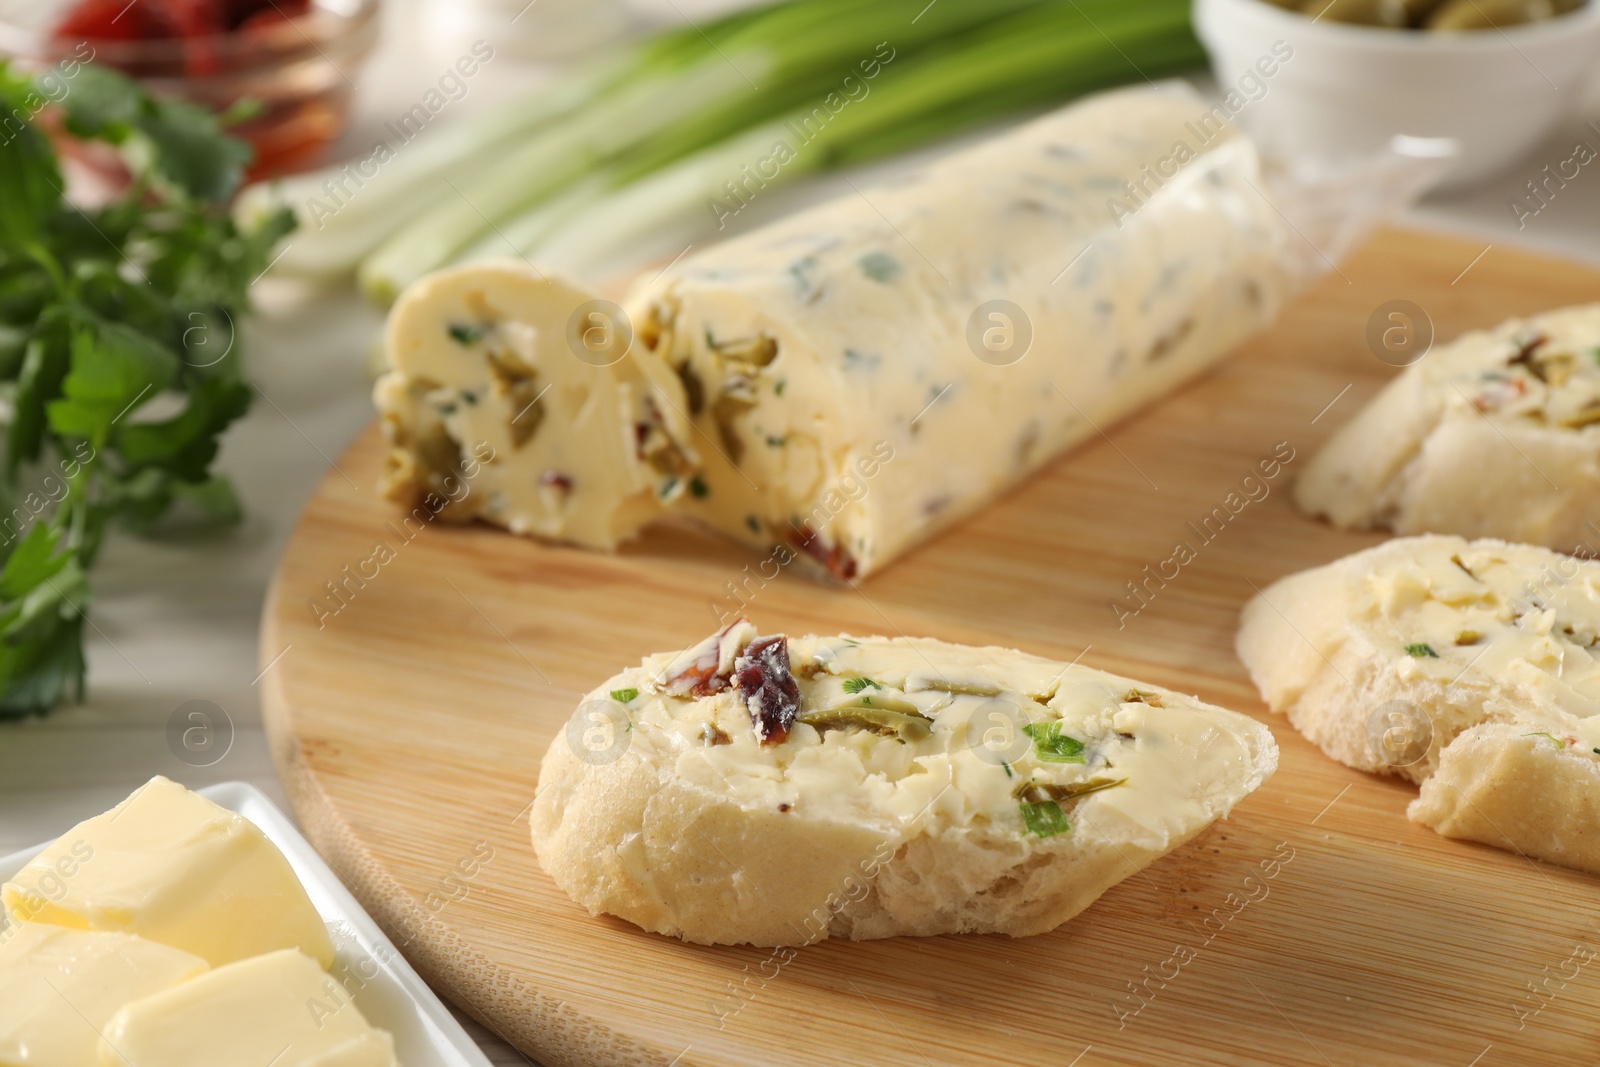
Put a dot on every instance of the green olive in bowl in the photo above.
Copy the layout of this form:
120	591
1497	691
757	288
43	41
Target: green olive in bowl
1492	14
1395	14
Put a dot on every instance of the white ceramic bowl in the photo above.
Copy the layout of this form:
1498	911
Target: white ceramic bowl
1349	90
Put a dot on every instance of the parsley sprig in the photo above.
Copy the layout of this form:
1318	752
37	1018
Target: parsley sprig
107	314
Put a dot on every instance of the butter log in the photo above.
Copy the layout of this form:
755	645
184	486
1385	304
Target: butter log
866	373
849	381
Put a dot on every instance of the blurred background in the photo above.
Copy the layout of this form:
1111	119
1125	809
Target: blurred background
607	135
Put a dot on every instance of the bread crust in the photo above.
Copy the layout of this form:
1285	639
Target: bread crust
634	838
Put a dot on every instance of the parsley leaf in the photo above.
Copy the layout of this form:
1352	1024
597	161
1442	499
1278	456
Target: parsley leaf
113	369
29	174
177	143
103	310
624	696
185	444
1422	651
1050	745
856	685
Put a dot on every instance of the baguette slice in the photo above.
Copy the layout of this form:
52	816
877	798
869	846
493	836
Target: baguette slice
1470	667
1496	434
777	791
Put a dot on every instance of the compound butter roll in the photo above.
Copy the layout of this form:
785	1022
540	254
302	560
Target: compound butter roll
868	372
850	380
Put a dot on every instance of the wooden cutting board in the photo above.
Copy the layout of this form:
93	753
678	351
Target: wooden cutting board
1317	926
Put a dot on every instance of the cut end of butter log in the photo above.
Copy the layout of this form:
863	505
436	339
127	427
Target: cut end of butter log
777	791
59	988
1470	667
169	865
509	399
280	1009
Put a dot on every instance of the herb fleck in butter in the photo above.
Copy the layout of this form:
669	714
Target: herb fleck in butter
1050	745
1044	819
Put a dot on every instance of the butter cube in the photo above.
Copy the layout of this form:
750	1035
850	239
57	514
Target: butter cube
59	988
279	1009
171	866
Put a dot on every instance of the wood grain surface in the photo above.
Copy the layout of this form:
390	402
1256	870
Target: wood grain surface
1317	926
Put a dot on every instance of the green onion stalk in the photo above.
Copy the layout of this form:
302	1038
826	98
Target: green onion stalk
792	44
1033	58
644	138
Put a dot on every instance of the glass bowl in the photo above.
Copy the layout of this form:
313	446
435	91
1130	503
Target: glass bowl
299	71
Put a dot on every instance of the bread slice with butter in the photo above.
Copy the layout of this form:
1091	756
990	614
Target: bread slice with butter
1493	435
777	791
1470	667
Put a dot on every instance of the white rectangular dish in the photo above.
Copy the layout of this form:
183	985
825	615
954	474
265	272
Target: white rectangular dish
389	993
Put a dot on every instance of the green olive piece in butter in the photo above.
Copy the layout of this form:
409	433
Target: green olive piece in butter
876	720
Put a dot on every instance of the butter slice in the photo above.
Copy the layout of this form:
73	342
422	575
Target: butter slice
171	866
509	400
59	987
279	1009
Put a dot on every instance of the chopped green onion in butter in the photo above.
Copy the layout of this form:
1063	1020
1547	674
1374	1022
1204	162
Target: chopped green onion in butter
1053	746
1044	819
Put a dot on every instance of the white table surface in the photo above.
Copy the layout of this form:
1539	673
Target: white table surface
176	622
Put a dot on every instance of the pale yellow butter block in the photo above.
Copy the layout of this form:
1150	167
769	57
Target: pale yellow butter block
279	1009
59	987
171	866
